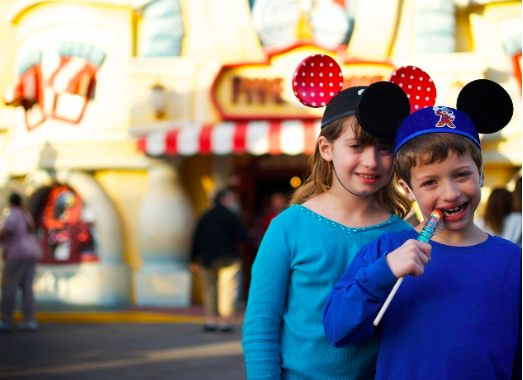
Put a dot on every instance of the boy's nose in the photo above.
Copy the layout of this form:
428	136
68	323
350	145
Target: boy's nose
451	191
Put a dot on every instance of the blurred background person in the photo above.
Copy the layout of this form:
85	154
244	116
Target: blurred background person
277	203
215	254
517	195
20	253
500	217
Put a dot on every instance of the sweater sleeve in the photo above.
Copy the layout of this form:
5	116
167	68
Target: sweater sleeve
356	298
266	305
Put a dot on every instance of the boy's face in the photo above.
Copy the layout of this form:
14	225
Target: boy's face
452	185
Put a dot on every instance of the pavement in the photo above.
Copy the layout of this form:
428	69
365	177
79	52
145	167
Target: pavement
134	343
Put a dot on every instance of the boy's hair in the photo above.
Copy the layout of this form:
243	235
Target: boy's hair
320	178
433	147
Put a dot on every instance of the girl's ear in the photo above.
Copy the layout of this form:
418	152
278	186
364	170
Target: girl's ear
407	190
325	148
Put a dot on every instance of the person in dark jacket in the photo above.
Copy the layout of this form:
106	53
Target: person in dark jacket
215	253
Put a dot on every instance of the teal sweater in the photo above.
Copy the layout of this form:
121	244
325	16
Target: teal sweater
301	257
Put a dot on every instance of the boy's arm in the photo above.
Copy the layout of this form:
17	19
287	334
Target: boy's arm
354	302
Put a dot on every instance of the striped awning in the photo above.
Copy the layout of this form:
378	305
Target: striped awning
288	137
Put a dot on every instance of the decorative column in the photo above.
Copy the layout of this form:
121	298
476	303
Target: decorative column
165	229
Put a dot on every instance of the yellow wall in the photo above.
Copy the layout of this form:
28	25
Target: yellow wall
126	189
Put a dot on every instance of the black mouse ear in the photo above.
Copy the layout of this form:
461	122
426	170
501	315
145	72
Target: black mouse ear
382	108
487	104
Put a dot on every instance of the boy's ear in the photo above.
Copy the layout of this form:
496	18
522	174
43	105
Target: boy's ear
325	148
406	189
481	178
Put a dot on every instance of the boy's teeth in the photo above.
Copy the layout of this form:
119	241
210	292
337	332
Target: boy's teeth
452	210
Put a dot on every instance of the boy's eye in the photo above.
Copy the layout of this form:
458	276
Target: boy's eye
428	183
463	174
356	146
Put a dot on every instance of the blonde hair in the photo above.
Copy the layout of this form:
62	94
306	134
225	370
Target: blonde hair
320	178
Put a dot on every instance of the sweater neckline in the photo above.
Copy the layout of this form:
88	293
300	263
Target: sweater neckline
349	230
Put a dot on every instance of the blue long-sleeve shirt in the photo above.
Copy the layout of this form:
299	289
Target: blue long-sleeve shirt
300	258
460	320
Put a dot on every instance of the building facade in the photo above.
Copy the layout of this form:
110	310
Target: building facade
121	117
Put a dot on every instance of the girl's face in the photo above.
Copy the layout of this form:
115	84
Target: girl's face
453	186
362	170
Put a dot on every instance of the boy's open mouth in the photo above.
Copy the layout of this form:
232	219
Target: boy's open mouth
454	210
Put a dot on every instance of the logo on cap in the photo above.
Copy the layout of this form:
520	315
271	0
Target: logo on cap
446	117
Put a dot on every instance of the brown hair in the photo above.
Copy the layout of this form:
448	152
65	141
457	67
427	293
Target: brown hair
498	206
320	178
517	195
433	147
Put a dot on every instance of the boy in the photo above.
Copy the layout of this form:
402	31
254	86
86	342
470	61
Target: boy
458	313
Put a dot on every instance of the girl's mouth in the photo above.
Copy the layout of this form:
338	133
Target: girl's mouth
368	178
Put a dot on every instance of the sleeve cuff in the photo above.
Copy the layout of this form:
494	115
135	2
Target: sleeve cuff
381	277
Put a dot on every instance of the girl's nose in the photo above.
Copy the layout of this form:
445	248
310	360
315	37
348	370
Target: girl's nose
369	157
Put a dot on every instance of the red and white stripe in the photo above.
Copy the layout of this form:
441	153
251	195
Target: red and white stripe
26	88
289	137
74	76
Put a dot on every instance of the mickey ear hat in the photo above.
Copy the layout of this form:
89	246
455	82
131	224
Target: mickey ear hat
379	107
344	103
483	106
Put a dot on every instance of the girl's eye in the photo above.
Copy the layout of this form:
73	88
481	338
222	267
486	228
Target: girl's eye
385	149
356	146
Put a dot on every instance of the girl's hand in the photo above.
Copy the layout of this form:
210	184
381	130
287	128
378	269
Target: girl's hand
409	259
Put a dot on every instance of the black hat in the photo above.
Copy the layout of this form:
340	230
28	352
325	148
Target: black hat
344	103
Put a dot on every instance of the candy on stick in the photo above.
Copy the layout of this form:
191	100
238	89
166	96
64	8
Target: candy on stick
425	235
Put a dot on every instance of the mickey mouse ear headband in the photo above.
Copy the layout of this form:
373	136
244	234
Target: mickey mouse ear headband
379	107
483	106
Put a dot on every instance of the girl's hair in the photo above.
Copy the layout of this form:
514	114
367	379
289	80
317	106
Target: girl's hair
498	206
433	147
320	178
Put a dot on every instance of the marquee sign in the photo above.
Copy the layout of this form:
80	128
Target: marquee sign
263	91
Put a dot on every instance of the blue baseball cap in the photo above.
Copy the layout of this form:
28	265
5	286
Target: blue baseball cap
437	119
483	106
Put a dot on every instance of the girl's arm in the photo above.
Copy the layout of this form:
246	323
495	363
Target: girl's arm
266	304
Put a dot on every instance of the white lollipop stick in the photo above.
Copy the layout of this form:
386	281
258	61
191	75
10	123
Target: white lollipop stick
425	235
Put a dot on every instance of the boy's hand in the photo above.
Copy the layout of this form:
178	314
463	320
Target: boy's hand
409	259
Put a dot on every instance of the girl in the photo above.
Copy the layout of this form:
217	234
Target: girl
348	200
